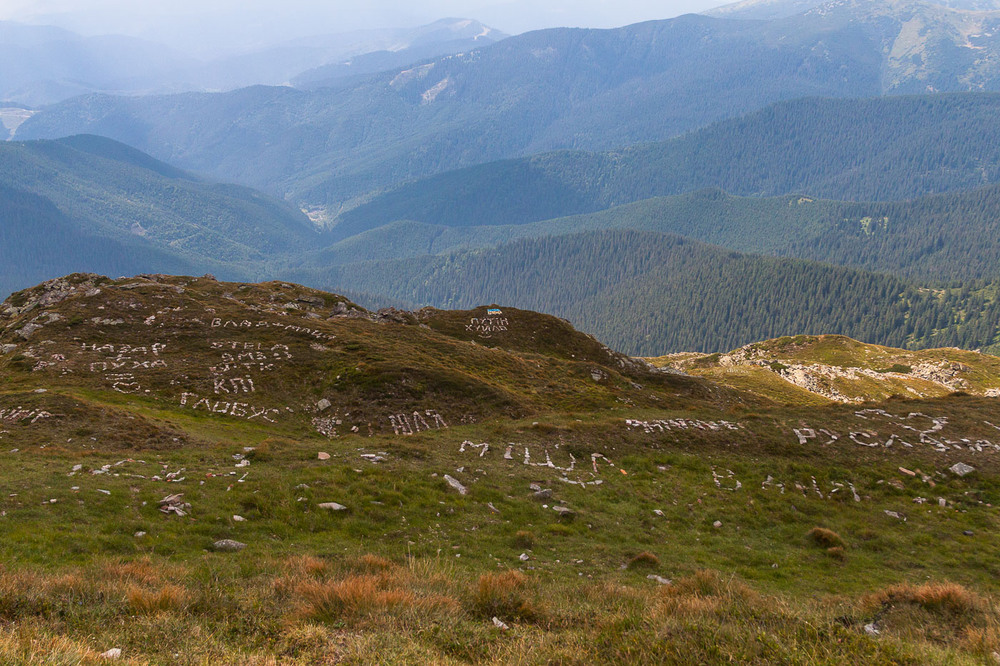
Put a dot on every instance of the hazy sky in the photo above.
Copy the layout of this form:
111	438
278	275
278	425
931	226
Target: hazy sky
202	24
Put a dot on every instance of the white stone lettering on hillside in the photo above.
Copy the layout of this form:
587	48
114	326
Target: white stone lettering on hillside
485	327
19	414
900	432
242	356
238	409
663	425
541	456
408	424
119	362
243	324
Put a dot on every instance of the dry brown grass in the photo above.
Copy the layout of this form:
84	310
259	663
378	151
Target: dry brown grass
366	595
375	563
703	592
837	552
947	597
167	598
306	565
504	595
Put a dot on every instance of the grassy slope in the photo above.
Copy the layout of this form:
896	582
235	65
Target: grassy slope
413	571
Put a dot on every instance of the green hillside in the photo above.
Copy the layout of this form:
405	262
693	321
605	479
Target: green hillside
649	293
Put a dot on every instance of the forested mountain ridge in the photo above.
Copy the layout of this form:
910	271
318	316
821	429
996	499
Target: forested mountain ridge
864	150
649	293
551	89
954	236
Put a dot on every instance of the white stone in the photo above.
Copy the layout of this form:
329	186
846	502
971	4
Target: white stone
323	405
113	653
228	546
961	469
523	557
659	579
454	483
332	506
323	455
239	519
717	524
499	624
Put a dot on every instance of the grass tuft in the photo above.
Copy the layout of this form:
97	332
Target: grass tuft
644	560
826	538
504	595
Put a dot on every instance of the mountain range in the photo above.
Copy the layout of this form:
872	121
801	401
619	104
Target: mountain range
550	89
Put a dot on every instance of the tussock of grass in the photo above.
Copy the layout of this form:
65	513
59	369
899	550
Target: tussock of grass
524	539
644	560
167	598
504	595
826	538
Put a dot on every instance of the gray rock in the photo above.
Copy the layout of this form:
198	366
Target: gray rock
542	494
6	349
564	511
659	579
961	469
523	557
872	629
228	546
332	506
454	483
323	405
113	653
534	486
499	624
717	524
26	330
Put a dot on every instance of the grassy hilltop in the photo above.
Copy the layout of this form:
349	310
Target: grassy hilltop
478	464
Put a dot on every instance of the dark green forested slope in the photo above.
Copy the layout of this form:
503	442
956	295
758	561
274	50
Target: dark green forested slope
650	293
947	236
862	150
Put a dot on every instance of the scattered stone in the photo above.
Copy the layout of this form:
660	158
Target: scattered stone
239	519
717	524
535	487
872	629
499	624
492	508
523	557
373	458
173	504
659	579
228	546
332	506
893	514
139	534
302	486
657	512
907	472
920	500
106	492
323	455
968	532
323	405
113	653
564	511
454	483
542	494
6	349
942	502
961	469
897	484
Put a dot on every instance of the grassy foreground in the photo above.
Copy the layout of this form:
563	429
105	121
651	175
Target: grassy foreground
564	506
